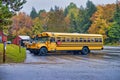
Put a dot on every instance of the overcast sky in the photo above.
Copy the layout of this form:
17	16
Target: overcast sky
47	4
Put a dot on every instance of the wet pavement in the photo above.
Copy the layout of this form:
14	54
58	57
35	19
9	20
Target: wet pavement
98	65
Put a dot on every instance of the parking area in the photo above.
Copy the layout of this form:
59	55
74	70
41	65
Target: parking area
98	65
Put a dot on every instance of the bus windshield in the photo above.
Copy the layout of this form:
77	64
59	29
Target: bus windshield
32	39
42	39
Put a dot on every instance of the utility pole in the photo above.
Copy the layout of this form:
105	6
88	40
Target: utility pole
4	51
19	46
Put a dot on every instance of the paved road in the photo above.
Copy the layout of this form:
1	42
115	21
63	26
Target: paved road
98	65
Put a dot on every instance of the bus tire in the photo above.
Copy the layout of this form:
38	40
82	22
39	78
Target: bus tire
43	51
85	50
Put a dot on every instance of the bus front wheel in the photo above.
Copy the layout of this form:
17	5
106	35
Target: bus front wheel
85	50
43	51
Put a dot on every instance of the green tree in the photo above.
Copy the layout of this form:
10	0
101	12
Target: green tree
101	21
51	9
41	11
82	17
73	23
114	33
72	9
33	13
71	13
117	13
56	21
37	26
65	11
15	5
114	30
7	8
87	14
5	16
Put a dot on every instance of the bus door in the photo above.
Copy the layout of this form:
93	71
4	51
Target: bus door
52	44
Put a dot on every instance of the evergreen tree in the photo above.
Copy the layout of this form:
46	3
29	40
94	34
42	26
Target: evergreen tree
114	30
37	27
66	12
81	19
51	9
5	11
57	8
85	15
73	23
15	5
72	11
90	9
41	11
114	33
5	16
33	13
72	5
56	22
117	13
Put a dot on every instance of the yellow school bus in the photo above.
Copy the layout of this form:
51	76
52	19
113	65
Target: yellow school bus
28	43
75	42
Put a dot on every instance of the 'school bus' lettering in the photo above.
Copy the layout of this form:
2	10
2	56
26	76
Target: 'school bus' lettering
75	42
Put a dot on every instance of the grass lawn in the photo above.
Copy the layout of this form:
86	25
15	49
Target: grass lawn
12	54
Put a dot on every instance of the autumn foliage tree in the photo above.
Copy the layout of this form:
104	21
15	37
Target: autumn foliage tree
102	19
56	21
37	27
22	25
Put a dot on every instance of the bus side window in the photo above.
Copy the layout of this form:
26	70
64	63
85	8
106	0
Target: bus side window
92	40
52	39
96	39
100	40
58	38
88	40
76	40
81	39
72	40
63	39
84	40
68	40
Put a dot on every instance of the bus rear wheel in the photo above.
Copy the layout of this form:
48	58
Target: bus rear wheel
85	50
43	51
